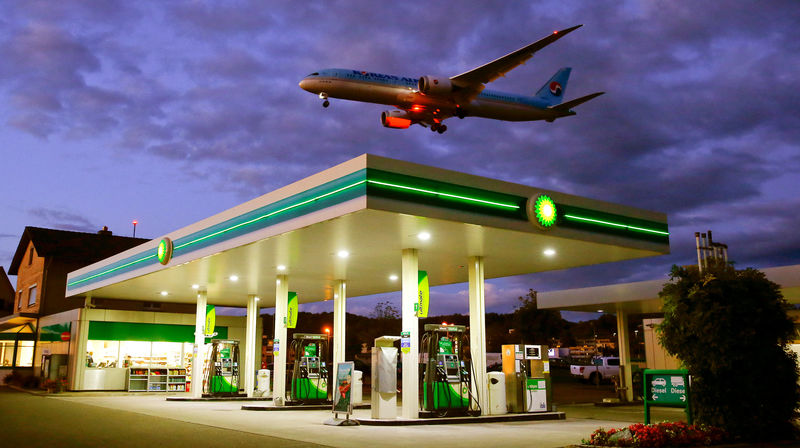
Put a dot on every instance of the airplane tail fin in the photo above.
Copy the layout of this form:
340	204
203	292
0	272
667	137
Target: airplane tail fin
552	92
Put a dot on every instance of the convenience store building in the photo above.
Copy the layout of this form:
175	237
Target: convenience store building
366	226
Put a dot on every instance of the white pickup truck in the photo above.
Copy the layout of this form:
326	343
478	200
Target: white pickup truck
600	369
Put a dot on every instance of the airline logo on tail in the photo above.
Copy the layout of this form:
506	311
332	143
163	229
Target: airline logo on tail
555	88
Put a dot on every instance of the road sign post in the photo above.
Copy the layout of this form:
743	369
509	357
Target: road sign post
667	388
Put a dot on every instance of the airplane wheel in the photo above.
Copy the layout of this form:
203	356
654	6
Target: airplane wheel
441	129
326	103
434	127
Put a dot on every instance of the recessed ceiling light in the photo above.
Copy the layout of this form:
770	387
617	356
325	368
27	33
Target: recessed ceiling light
599	311
257	299
234	278
281	267
343	254
549	252
163	293
393	277
424	236
195	286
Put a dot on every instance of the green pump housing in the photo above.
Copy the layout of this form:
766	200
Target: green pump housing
223	368
446	372
310	382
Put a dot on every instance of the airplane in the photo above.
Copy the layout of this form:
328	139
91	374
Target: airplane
429	100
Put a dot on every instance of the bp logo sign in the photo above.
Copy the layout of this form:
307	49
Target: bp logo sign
164	251
542	211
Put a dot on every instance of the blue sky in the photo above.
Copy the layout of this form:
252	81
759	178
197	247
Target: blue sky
169	112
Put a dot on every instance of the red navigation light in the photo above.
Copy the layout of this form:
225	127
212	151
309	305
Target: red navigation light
416	108
135	222
555	32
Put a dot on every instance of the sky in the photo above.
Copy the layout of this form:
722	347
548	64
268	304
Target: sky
169	112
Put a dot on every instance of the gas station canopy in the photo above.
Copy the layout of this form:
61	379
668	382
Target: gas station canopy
351	223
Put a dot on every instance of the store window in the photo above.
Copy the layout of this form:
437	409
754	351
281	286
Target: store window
167	354
103	353
32	295
135	353
6	353
24	354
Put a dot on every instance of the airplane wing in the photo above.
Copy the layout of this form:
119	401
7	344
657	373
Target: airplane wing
474	80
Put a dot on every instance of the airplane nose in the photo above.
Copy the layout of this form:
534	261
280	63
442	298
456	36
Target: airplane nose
305	84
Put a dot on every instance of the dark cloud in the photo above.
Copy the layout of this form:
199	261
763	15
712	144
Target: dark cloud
61	219
699	120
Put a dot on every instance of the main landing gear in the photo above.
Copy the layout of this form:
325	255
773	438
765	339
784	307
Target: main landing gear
440	128
324	96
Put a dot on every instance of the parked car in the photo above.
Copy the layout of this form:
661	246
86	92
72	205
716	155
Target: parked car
602	368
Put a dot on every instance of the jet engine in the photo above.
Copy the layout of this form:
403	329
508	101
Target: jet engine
396	119
434	85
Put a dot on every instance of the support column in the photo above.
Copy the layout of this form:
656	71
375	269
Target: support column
250	345
623	343
477	333
281	308
411	325
339	313
199	352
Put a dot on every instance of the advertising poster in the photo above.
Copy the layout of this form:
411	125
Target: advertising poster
291	311
211	320
423	294
344	384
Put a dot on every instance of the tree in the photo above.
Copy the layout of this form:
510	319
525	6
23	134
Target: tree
730	329
535	326
385	310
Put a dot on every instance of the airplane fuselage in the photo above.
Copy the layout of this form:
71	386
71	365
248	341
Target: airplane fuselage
401	92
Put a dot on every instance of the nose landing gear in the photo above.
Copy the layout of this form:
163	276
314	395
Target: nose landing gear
324	96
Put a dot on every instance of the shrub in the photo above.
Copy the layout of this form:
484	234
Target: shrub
730	329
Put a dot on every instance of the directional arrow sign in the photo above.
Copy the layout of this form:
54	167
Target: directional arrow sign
683	397
655	397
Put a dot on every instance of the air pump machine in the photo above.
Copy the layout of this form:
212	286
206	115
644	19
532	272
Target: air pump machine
223	368
310	383
445	368
527	371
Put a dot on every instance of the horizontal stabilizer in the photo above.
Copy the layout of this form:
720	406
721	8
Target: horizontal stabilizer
565	107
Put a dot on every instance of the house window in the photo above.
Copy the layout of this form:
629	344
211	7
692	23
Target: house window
32	295
19	300
30	257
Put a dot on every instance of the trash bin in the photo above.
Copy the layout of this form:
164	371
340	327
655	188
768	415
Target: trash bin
262	379
357	394
497	393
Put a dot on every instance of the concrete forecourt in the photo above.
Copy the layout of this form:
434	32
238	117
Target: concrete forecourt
366	226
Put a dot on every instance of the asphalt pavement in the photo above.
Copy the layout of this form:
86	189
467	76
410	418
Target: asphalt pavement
144	420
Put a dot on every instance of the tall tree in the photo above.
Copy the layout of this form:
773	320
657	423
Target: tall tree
535	326
730	329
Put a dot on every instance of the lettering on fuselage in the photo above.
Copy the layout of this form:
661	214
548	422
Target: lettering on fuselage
383	76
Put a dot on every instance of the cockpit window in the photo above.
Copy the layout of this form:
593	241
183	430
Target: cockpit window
314	74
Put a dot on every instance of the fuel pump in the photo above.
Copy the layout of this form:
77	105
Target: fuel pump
223	368
310	378
446	372
527	372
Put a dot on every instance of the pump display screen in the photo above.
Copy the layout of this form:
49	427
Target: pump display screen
445	346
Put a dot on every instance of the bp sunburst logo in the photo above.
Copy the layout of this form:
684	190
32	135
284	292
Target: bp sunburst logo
542	211
164	251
